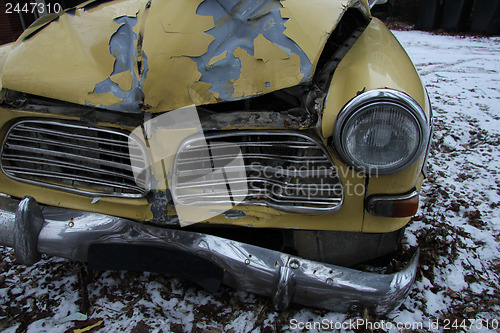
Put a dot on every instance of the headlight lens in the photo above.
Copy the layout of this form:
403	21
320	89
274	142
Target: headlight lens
381	132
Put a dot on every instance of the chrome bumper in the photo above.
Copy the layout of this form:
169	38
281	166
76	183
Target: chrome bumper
32	229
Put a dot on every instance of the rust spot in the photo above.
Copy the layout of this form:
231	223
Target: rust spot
254	216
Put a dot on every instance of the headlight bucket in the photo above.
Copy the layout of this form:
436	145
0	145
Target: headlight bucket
381	132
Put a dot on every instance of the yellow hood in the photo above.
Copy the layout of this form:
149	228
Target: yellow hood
136	55
4	50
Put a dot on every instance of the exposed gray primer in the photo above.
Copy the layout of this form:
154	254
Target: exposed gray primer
122	47
237	24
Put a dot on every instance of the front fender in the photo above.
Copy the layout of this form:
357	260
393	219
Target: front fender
377	61
4	50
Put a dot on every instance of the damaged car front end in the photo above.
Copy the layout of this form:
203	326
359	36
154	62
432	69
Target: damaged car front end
265	145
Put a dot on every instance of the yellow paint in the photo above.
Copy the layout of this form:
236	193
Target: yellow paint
178	17
88	328
4	50
199	94
169	45
68	57
173	33
167	73
256	72
219	57
37	25
266	50
376	61
103	99
123	79
310	27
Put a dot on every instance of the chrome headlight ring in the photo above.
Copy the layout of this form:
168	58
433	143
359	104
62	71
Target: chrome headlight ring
381	132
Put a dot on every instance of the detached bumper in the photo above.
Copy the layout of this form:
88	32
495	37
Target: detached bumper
32	230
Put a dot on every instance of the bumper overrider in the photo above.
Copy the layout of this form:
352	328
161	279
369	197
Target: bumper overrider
108	242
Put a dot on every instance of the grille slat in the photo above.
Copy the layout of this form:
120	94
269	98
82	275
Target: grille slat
118	143
215	147
82	159
241	195
289	171
253	179
73	166
296	159
61	143
73	179
259	168
68	156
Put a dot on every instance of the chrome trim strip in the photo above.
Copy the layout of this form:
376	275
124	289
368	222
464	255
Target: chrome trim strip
68	165
379	198
286	278
431	133
299	159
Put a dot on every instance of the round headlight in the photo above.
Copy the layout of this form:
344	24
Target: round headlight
381	132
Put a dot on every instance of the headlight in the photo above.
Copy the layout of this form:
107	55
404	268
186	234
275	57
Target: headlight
381	132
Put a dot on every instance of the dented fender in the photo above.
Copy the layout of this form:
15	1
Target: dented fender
377	61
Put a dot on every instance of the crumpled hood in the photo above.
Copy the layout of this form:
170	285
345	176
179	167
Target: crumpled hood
156	55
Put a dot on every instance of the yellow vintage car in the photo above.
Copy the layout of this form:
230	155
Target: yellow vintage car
267	145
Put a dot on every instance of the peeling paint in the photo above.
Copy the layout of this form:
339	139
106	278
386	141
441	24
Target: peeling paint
256	72
237	25
122	47
198	52
217	58
235	214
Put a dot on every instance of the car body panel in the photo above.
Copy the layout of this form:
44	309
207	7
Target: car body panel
88	56
377	61
386	65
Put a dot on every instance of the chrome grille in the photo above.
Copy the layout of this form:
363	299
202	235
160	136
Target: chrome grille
289	171
82	159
